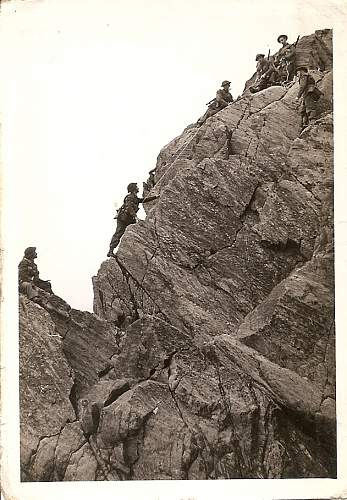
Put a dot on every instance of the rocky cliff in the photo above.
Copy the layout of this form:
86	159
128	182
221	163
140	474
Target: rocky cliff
211	351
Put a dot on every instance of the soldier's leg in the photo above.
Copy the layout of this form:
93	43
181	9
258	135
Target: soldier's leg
256	88
290	71
311	108
121	226
209	112
44	285
282	73
29	290
202	119
273	77
304	117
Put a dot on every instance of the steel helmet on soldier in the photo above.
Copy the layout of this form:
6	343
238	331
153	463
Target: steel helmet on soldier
132	187
29	252
259	56
225	82
282	36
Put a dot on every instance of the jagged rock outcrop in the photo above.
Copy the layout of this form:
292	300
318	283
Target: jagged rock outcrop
211	350
45	384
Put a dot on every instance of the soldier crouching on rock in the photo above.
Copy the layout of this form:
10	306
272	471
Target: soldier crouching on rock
126	215
310	94
221	101
266	74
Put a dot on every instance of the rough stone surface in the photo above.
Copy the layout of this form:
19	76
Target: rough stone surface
88	345
211	353
45	383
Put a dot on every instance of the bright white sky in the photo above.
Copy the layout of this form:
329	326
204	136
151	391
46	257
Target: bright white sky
92	90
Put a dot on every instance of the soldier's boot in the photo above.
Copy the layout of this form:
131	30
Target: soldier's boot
110	252
112	247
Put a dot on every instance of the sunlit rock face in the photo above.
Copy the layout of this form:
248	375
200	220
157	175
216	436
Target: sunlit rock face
211	351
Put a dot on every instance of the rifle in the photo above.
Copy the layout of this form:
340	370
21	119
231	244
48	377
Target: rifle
211	101
296	43
268	55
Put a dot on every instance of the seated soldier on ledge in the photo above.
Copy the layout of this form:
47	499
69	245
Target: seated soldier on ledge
36	289
29	280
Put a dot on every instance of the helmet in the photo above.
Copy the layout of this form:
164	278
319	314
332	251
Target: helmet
131	187
29	252
225	82
258	56
282	36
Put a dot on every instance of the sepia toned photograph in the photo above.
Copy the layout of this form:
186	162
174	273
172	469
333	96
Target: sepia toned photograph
169	171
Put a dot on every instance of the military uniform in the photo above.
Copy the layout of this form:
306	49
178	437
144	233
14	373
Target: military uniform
285	59
265	74
221	101
27	271
262	66
36	289
126	215
223	98
310	94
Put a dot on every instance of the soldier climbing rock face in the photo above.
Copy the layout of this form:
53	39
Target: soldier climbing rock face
222	100
310	94
285	59
126	215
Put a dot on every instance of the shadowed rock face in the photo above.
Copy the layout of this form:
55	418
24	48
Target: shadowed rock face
211	351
